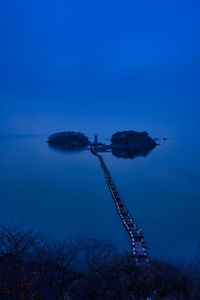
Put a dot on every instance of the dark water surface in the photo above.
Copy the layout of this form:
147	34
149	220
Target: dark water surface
65	194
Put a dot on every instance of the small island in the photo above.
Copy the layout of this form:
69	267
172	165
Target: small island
129	144
132	138
68	141
125	144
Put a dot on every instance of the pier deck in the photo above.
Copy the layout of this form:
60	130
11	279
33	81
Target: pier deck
136	237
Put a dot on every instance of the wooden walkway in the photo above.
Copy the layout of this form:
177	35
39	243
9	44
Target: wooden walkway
135	234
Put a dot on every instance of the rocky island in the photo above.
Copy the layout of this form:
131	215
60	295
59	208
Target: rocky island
129	144
68	140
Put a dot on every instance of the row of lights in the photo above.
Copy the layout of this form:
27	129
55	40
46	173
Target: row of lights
109	179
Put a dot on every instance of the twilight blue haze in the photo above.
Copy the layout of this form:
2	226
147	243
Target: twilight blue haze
99	67
91	65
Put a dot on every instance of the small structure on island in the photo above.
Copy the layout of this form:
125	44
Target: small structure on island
95	140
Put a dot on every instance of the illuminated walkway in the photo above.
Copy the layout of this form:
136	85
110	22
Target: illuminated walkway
135	234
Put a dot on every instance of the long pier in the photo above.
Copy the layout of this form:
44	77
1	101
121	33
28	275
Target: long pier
137	240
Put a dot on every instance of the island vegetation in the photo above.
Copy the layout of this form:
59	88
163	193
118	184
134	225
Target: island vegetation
37	267
132	139
125	144
68	140
129	144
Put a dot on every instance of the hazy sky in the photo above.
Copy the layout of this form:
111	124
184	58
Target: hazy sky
98	66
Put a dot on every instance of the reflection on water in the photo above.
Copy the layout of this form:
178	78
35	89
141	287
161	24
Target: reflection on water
130	152
67	148
120	152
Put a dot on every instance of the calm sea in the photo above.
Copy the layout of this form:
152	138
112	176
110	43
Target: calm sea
65	194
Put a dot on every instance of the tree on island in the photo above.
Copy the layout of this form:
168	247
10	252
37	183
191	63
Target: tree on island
68	140
130	144
132	138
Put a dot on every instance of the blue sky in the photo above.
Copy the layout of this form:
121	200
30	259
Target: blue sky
99	66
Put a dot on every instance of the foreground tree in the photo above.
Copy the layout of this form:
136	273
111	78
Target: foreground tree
35	267
17	241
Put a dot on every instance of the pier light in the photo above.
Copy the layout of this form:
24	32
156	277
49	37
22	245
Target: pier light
135	234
